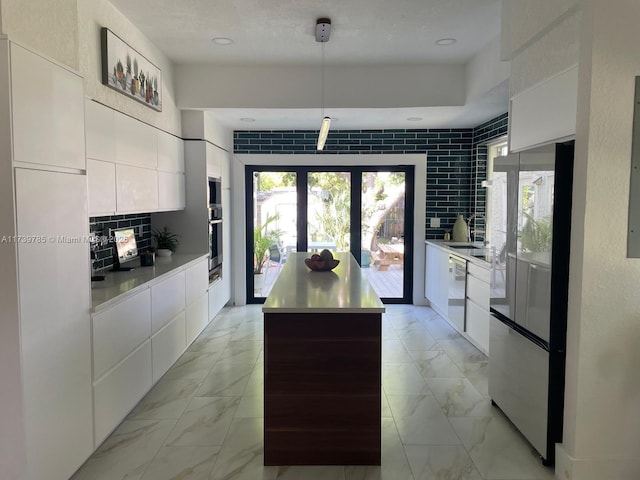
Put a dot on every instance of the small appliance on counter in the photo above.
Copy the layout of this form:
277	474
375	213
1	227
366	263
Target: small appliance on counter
147	259
95	242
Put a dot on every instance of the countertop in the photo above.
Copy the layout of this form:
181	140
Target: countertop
345	289
477	253
118	285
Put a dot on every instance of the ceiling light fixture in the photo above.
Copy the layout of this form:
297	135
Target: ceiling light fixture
323	31
247	119
414	119
222	41
443	42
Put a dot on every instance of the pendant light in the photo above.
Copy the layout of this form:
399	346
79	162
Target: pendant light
323	30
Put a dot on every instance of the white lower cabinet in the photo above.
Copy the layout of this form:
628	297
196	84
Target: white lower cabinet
167	345
197	317
477	306
120	329
437	273
167	300
138	339
117	392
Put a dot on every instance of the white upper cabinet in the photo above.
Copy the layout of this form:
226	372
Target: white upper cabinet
48	112
171	191
100	131
214	166
136	142
101	177
136	189
170	152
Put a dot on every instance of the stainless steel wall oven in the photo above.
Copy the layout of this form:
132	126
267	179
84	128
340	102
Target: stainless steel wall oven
215	227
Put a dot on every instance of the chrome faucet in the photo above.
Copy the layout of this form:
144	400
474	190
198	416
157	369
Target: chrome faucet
474	217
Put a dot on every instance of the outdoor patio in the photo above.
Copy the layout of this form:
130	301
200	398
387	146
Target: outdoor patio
386	282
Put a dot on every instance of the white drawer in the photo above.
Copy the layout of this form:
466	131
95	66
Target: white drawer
477	325
519	381
197	281
478	291
167	300
115	394
479	272
197	317
119	330
167	345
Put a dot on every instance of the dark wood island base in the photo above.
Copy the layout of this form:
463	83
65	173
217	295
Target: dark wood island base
322	401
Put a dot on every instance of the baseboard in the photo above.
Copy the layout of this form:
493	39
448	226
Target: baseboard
571	468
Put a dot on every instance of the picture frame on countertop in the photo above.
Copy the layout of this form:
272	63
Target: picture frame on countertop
127	71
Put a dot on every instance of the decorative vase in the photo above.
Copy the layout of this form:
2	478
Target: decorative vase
163	252
460	230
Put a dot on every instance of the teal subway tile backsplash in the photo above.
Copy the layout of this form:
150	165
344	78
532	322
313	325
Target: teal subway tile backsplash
453	156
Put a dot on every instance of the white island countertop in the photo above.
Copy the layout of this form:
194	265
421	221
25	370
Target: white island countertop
345	289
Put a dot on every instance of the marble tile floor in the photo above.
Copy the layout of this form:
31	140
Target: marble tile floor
203	420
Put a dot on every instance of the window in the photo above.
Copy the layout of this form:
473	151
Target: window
494	202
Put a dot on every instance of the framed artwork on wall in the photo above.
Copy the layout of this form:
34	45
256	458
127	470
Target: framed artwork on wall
127	71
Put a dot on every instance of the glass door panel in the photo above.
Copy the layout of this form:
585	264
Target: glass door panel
329	211
383	231
275	213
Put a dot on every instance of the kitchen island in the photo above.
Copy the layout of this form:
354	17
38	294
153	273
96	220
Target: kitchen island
322	367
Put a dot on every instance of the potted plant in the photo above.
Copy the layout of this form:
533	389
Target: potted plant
166	242
264	238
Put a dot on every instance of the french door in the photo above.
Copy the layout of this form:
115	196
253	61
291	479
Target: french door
361	210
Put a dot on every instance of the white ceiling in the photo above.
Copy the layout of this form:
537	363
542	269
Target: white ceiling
364	32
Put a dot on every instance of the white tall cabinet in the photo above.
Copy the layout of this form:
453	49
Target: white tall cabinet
45	342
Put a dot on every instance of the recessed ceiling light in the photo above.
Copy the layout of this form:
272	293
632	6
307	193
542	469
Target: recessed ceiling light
222	41
247	119
414	119
443	42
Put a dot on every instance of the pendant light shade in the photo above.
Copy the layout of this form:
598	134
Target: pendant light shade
323	30
324	131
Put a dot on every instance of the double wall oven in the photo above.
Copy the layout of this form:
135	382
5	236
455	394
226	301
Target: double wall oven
215	228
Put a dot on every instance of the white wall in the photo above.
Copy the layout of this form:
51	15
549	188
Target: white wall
602	395
485	70
47	26
286	86
94	14
202	125
238	232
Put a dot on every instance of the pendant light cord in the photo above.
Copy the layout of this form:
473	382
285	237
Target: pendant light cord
322	84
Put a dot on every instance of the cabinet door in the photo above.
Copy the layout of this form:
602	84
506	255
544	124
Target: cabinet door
167	345
117	393
437	277
519	381
170	152
119	330
167	300
197	281
100	131
55	326
101	177
197	317
47	112
136	142
214	165
478	325
136	189
171	193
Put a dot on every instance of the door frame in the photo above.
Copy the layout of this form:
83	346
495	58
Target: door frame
356	172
